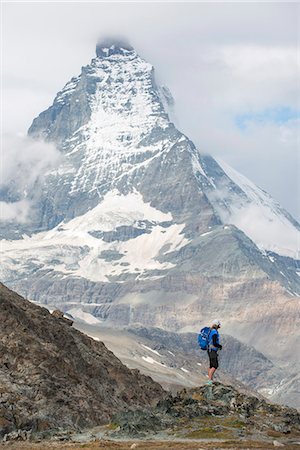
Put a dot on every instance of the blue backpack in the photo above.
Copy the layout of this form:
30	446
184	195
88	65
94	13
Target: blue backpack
203	338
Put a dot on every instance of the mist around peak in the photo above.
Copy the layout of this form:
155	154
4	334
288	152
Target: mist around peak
112	45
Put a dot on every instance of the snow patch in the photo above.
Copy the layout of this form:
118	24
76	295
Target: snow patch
205	234
151	350
82	316
115	210
197	168
95	338
150	360
69	249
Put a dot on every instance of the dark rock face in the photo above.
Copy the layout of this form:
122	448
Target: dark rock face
123	233
52	376
110	47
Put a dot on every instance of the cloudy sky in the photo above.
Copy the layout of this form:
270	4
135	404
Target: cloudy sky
232	68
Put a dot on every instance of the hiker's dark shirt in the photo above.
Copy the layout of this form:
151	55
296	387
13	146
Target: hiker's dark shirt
214	341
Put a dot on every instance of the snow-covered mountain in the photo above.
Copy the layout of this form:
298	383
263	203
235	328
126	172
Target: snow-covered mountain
136	225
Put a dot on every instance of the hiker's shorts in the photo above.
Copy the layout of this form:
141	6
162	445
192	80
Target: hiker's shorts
213	359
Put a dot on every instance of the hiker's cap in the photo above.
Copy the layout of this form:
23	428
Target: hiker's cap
216	322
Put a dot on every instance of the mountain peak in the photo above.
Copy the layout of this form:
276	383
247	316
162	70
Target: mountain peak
112	46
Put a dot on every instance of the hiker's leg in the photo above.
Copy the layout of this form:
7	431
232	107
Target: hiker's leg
209	363
213	358
211	372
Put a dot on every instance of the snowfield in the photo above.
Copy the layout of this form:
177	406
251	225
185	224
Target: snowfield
70	248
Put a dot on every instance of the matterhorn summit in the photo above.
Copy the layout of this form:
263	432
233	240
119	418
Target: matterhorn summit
137	226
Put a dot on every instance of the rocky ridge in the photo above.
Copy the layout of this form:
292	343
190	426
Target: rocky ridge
217	416
53	377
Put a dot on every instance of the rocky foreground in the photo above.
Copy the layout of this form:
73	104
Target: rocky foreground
212	412
215	416
61	389
53	377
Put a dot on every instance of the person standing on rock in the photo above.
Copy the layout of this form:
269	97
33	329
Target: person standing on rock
213	347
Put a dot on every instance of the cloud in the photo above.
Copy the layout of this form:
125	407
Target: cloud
267	230
25	162
267	154
231	86
257	215
255	63
21	103
29	158
17	211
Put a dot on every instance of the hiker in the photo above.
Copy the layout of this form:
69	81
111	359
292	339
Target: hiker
212	350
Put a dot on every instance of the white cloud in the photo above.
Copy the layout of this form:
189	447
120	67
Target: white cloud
256	62
21	104
266	231
233	80
259	76
17	211
25	160
24	163
267	155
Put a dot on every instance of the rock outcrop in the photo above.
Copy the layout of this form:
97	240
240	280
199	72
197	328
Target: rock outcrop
213	412
54	377
60	315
